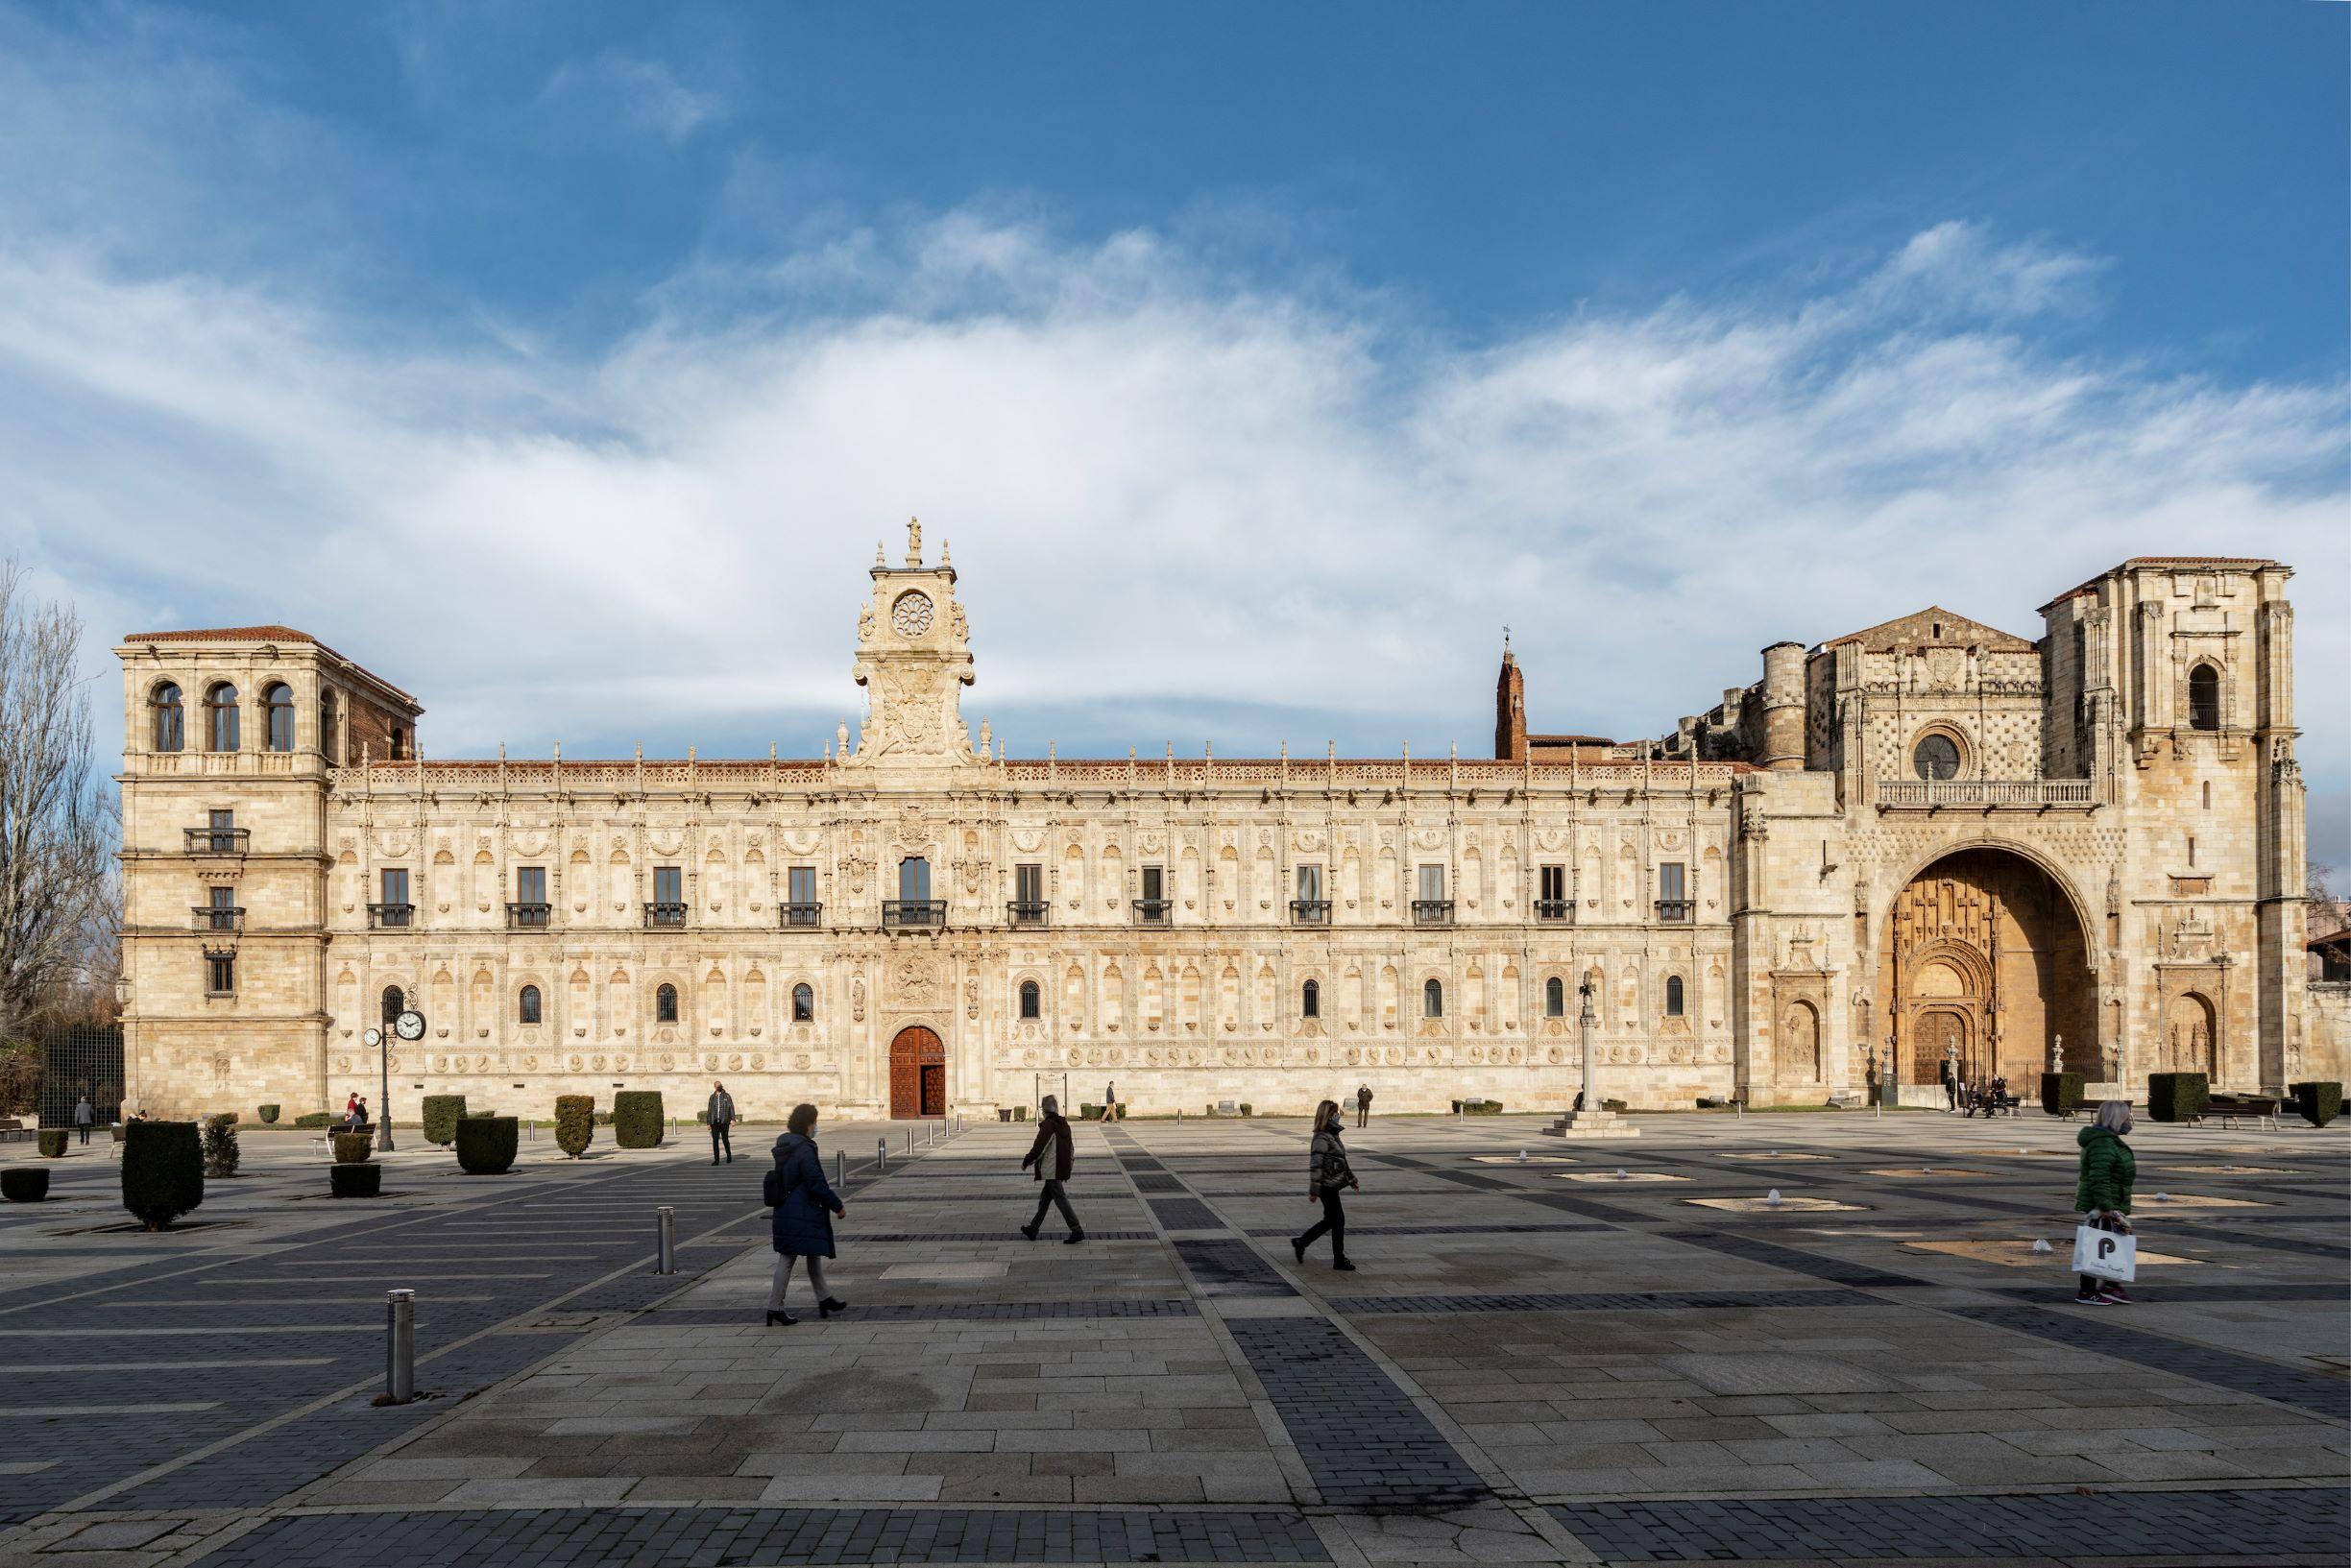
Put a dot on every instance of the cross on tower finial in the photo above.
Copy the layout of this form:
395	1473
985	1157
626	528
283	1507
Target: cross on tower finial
913	542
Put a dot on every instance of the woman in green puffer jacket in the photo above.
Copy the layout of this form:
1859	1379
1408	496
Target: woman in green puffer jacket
2103	1192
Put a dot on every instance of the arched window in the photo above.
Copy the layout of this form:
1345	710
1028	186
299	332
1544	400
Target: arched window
1673	996
170	725
221	717
393	1003
1555	998
664	1004
277	703
327	729
1936	756
804	1004
397	746
1431	1000
1310	999
1032	1004
527	1011
2204	698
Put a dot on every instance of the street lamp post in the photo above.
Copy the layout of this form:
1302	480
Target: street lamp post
383	1089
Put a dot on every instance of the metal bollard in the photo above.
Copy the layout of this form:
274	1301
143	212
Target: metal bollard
665	1220
882	1154
909	1142
400	1346
841	1167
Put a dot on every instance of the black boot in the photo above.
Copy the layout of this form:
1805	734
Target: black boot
828	1307
1030	1231
1342	1265
1300	1248
785	1319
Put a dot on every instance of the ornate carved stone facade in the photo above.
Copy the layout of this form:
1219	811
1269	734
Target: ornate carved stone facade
1928	836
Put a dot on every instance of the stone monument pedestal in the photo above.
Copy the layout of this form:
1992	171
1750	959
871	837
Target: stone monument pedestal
1590	1125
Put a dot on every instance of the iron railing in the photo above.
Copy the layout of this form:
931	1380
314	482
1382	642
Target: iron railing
913	914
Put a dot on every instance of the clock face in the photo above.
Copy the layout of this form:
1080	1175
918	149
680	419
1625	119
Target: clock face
910	616
374	1037
409	1026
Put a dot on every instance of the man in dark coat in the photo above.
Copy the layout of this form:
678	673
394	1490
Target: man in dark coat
1362	1105
1950	1085
1054	1148
721	1122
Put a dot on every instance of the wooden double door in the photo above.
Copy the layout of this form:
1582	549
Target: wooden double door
918	1076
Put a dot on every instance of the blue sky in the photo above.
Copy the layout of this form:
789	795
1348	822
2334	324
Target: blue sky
564	361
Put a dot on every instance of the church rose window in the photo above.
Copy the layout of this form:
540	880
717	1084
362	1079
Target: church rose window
1937	757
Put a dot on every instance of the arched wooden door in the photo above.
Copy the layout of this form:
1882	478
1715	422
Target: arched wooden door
919	1075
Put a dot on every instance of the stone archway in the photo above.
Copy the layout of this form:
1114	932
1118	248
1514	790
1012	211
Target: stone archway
917	1074
2187	1044
1986	962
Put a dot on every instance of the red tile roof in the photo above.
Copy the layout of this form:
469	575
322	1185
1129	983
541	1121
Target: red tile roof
225	633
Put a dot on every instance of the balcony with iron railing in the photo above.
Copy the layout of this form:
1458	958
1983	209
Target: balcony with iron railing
216	840
529	917
913	914
800	916
662	914
217	917
385	917
1675	911
1553	911
1310	911
1432	911
1983	794
1027	912
1153	911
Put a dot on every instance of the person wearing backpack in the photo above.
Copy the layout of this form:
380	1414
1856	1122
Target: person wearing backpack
805	1207
1053	1149
2102	1192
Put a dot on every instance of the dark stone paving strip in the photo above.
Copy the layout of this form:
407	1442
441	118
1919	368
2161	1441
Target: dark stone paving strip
1149	1181
1465	1227
1601	1301
1231	1268
2248	1238
1184	1214
711	1537
2163	1293
944	1311
2066	1525
1564	1202
1835	1269
1365	1442
2320	1395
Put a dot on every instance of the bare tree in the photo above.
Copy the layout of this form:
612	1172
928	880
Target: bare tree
56	868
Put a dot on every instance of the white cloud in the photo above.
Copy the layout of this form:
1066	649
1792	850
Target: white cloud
646	93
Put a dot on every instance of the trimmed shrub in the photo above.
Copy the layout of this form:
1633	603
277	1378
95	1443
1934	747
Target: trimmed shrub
1087	1113
574	1123
268	1115
441	1113
1020	1113
221	1153
230	1116
1247	1109
354	1148
637	1119
2176	1097
317	1118
162	1170
52	1142
2061	1092
1119	1111
486	1144
1612	1106
1482	1108
355	1180
24	1183
2318	1102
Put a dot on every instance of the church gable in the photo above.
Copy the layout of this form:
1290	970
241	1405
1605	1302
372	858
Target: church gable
1931	627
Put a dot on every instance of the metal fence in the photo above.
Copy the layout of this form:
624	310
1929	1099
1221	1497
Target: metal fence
85	1059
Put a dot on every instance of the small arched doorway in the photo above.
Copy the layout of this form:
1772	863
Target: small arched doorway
2187	1044
919	1075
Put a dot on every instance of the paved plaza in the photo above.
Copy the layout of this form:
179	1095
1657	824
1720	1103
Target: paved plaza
1618	1352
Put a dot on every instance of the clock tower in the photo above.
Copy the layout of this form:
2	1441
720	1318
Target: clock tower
913	661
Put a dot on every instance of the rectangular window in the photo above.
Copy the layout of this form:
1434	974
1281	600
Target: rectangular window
803	885
1551	897
395	884
1028	883
530	884
222	907
1310	883
1432	884
222	898
220	974
668	885
221	832
1673	895
914	879
1154	884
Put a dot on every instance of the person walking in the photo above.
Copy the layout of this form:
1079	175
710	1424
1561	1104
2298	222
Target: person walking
1362	1105
84	1113
722	1118
2102	1192
1327	1176
1950	1085
1054	1147
805	1207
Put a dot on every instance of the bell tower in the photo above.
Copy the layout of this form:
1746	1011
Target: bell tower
913	661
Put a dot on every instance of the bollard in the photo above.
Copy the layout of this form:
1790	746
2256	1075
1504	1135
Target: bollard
665	1222
841	1167
909	1142
882	1153
400	1346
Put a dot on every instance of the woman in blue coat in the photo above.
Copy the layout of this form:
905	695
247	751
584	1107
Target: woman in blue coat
804	1204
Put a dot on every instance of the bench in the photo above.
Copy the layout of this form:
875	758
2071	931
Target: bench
12	1129
2234	1108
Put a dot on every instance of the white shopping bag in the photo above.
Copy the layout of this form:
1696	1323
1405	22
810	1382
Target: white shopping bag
2105	1254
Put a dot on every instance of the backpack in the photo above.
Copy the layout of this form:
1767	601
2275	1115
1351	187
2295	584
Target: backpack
772	1191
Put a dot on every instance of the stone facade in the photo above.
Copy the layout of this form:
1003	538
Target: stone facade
1773	899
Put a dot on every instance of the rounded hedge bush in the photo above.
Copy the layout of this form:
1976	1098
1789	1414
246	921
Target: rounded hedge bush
355	1180
354	1148
574	1123
2061	1092
442	1114
24	1183
52	1141
162	1170
2176	1097
2318	1102
316	1119
637	1119
221	1154
486	1144
268	1115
